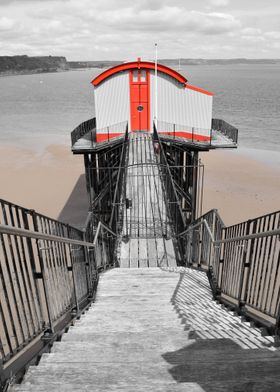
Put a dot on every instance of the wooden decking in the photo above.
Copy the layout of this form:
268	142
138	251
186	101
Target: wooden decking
155	329
146	229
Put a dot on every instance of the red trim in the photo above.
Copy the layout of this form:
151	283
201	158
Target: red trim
186	135
149	101
138	64
101	137
146	82
200	90
130	96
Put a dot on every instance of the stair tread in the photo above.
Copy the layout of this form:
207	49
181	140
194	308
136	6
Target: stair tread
160	342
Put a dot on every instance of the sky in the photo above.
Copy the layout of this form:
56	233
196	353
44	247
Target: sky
126	29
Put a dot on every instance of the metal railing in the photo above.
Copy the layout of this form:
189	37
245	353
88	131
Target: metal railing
183	177
117	129
226	129
243	261
82	129
171	196
48	276
201	136
105	177
193	134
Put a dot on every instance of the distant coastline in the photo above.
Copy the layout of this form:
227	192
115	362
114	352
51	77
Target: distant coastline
23	64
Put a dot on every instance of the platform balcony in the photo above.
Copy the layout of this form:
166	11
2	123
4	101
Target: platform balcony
222	135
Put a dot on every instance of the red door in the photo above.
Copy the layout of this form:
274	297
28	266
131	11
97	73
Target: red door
140	100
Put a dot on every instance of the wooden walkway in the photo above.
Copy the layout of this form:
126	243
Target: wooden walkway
146	222
159	330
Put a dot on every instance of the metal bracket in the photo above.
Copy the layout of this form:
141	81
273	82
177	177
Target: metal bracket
38	275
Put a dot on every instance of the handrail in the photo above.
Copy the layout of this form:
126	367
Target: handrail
6	229
249	237
190	228
82	129
41	257
172	198
99	226
228	240
242	262
196	135
225	128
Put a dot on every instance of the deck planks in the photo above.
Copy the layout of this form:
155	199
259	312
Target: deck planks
146	219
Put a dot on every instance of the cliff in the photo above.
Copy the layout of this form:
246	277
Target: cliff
26	64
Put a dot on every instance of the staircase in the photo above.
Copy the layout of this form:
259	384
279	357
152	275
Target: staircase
157	329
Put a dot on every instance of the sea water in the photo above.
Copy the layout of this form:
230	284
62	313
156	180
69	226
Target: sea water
42	109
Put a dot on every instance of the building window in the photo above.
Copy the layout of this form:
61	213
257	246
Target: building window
143	75
135	75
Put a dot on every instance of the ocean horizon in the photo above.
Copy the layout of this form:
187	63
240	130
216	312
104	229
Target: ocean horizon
42	109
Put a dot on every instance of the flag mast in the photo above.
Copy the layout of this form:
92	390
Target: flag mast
156	87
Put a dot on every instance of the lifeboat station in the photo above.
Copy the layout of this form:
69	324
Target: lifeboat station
152	295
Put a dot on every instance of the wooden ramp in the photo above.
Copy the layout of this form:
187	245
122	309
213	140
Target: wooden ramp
157	330
146	230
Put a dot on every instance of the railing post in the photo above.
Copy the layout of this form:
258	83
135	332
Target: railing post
277	326
71	268
200	240
174	128
245	267
31	251
192	133
221	260
88	267
213	229
189	250
42	275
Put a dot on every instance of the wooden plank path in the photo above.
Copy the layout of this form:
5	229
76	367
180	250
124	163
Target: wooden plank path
155	329
146	221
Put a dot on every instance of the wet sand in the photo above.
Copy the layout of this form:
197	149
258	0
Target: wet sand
240	187
44	181
53	183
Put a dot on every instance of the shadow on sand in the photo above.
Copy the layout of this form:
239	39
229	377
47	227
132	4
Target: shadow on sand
75	209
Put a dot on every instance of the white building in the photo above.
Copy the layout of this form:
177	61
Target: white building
125	95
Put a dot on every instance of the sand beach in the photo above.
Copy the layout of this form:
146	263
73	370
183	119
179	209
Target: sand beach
239	186
52	182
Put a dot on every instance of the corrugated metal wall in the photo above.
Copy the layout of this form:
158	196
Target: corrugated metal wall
112	102
181	106
176	104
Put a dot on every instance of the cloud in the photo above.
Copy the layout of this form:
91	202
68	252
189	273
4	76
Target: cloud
6	2
219	3
167	18
251	31
6	23
272	35
100	29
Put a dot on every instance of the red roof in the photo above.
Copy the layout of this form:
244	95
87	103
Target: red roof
138	64
146	65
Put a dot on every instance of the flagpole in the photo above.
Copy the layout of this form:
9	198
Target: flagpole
156	87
